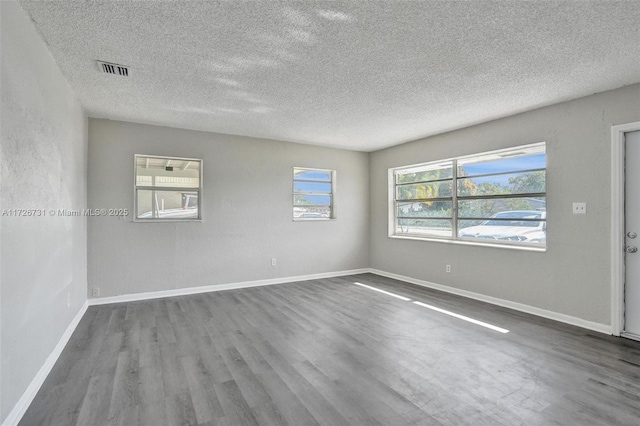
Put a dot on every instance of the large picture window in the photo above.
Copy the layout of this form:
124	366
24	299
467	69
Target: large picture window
167	188
494	197
313	194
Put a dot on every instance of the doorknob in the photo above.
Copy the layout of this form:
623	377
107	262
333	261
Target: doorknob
631	234
631	249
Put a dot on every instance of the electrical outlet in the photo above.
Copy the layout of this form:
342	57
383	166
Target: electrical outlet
448	268
579	208
273	261
68	300
95	292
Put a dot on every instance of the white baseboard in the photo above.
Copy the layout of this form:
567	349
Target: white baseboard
23	403
567	319
631	336
25	400
218	287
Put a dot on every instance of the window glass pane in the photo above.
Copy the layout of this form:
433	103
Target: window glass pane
503	162
425	173
167	172
317	187
167	204
312	193
311	200
423	191
307	174
430	209
426	227
512	183
144	204
176	204
490	207
317	212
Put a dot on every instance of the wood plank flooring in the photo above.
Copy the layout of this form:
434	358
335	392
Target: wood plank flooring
328	352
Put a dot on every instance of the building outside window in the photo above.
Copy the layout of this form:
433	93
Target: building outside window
167	188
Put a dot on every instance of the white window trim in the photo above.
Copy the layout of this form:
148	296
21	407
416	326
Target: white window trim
391	216
166	220
333	195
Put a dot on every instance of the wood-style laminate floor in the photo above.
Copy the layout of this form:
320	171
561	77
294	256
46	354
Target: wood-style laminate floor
330	352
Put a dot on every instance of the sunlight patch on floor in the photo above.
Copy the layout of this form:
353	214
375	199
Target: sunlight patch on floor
406	299
434	308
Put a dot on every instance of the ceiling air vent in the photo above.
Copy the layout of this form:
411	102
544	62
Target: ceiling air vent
116	69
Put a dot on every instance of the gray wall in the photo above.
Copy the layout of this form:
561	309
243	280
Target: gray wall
43	163
247	211
44	148
572	277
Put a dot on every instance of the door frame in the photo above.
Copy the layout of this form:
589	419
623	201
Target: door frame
617	224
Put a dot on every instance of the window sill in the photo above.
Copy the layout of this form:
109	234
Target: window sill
473	243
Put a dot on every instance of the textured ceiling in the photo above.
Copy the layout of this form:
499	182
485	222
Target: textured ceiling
359	75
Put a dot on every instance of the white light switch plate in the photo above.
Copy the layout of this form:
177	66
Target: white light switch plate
579	208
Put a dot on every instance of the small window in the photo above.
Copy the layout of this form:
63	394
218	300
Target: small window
313	194
167	188
497	197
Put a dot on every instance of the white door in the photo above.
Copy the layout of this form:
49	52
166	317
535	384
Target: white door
632	235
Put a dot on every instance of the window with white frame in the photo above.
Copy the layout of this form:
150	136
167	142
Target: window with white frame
493	197
167	188
313	194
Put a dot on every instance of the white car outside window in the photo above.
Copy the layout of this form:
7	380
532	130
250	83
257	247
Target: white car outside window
519	225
